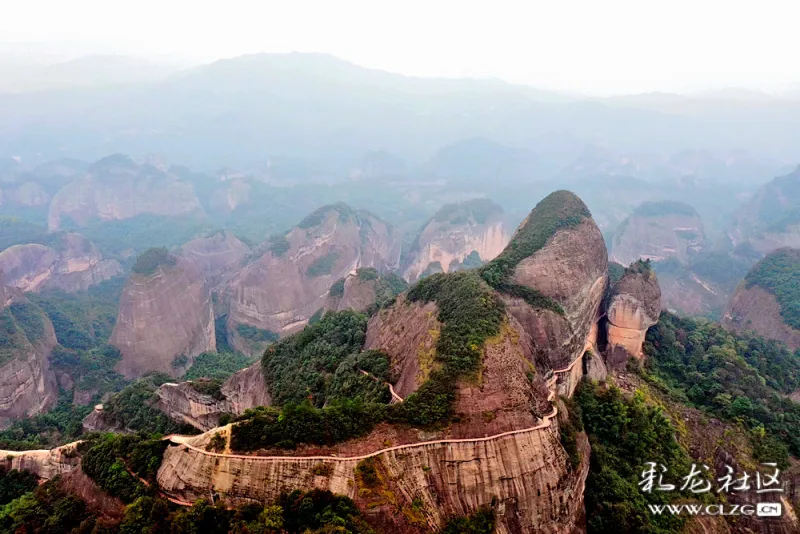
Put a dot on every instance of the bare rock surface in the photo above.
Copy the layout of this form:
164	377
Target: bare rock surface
657	231
184	404
757	310
27	384
76	265
116	188
282	289
454	234
216	255
164	316
634	306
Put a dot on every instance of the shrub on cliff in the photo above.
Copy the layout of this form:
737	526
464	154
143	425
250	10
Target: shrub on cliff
151	259
557	211
779	273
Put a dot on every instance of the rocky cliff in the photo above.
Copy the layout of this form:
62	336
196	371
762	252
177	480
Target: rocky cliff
363	289
281	290
73	264
766	301
116	187
184	404
458	236
165	319
634	304
45	464
553	277
217	255
27	384
657	231
771	219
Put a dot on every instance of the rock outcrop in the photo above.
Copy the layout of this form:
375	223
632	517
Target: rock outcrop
567	267
45	464
764	302
771	219
74	264
165	319
27	384
116	188
458	236
282	289
184	404
216	255
657	231
634	305
362	289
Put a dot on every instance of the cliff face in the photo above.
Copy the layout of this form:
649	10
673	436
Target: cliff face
161	317
45	464
27	384
284	287
634	305
765	301
244	390
657	231
362	289
458	236
523	472
571	269
74	266
757	309
118	188
770	220
216	255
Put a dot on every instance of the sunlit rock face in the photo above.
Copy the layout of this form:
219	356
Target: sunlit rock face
634	306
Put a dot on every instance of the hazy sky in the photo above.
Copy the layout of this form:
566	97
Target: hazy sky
592	46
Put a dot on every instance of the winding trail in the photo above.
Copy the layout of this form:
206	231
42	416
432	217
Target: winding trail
395	397
182	440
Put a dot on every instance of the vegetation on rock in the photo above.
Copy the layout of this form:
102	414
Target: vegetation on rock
151	259
558	210
322	265
217	365
779	273
737	377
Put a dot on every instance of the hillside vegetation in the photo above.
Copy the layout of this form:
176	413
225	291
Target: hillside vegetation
779	273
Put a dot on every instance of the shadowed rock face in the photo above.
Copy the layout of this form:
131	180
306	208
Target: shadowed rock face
217	255
657	231
118	188
74	266
161	317
284	287
454	234
634	306
27	384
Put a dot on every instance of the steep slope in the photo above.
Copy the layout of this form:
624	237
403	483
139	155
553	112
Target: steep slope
216	255
27	384
493	359
73	264
281	290
771	219
657	231
116	187
767	301
165	316
553	276
364	289
457	236
634	304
